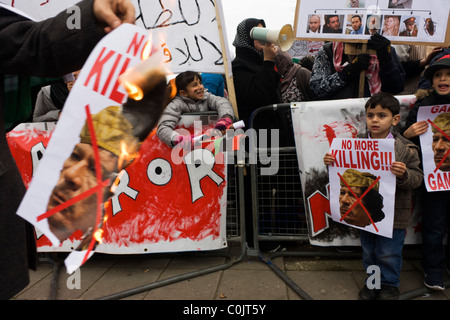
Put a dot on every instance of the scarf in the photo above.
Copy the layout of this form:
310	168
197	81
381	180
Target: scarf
286	67
243	39
372	73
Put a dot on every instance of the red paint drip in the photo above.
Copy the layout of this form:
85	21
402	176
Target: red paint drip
330	133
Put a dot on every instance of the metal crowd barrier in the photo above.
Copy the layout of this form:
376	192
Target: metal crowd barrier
277	199
279	209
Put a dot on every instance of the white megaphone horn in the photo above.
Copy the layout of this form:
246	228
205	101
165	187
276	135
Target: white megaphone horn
284	38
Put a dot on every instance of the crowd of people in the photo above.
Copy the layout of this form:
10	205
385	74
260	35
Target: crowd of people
263	75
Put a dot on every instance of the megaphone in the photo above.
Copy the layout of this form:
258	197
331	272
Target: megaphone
284	38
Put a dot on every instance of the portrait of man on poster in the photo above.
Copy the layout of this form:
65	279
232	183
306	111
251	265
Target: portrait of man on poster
410	29
78	175
314	23
441	142
332	24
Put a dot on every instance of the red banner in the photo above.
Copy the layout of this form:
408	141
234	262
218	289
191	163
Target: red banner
159	204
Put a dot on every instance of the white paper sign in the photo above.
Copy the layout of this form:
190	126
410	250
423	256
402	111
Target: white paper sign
362	187
435	147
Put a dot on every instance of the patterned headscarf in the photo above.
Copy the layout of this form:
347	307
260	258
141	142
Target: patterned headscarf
242	38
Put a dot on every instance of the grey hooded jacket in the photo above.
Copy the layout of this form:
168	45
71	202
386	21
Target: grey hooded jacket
181	104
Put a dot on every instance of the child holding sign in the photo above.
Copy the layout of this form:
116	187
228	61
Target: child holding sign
436	205
382	112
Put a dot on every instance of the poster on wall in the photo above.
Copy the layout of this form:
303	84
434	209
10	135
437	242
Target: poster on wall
186	30
401	21
362	187
316	125
435	146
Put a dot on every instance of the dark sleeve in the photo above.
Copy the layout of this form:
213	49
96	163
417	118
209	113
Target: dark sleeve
412	68
303	76
410	120
257	89
47	48
392	75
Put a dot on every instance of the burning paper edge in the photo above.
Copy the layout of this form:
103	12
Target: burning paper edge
75	259
145	75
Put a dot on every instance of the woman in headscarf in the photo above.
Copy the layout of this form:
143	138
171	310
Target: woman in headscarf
257	82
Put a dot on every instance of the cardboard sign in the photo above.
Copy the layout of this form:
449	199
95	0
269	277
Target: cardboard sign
407	22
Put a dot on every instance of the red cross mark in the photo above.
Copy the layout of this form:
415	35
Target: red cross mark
359	200
96	189
447	137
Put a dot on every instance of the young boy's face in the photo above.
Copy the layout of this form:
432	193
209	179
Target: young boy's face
441	81
379	121
194	90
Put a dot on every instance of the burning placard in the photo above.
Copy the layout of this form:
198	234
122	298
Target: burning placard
362	187
98	134
435	146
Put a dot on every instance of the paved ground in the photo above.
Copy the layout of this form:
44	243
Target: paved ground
235	274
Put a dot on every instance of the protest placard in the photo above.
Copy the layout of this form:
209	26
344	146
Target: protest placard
435	146
188	203
411	22
316	125
362	187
